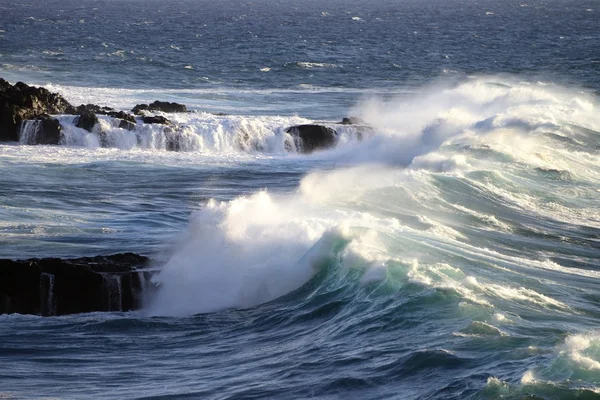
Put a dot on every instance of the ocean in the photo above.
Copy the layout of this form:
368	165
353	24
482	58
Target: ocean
448	247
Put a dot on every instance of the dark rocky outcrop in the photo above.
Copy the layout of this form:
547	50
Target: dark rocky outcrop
20	102
86	121
88	118
163	106
93	109
156	120
309	138
139	108
21	105
44	130
352	121
52	286
122	115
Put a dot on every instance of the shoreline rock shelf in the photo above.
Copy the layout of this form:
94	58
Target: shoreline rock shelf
26	115
53	286
21	104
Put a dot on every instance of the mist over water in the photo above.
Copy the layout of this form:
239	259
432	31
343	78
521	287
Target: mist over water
446	248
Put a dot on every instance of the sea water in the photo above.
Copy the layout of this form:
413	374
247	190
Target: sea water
448	248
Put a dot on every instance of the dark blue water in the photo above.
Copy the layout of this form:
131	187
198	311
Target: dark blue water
451	253
338	44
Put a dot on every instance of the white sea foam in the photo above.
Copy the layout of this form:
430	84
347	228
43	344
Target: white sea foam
439	229
254	249
492	381
489	220
257	248
577	359
522	294
436	162
243	253
583	350
531	204
444	276
200	132
309	65
528	378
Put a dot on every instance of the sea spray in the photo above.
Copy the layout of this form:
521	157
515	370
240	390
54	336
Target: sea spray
28	131
237	254
113	293
246	252
471	111
146	289
47	298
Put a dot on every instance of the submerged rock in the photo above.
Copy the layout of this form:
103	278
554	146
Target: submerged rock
52	286
20	102
309	138
163	106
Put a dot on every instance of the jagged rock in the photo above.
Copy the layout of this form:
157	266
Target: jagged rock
156	120
45	130
352	121
4	85
52	286
86	121
20	102
163	106
309	138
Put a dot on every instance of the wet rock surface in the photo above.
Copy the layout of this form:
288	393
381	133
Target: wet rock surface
21	102
309	138
53	286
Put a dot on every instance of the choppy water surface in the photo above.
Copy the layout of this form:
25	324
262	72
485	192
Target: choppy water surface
453	252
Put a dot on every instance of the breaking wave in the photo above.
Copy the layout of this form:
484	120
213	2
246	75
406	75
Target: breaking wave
430	198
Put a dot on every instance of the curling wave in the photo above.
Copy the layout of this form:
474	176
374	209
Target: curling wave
448	175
